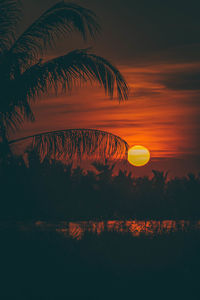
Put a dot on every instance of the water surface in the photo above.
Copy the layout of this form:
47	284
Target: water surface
77	230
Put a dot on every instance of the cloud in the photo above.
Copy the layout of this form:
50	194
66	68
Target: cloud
185	80
145	92
118	123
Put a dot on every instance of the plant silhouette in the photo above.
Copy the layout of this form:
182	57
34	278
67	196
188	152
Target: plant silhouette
75	145
25	75
62	192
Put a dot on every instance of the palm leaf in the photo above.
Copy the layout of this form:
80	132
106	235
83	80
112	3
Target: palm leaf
15	111
9	17
11	120
64	71
56	22
70	144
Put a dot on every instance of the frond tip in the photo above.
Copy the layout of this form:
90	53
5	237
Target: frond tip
78	144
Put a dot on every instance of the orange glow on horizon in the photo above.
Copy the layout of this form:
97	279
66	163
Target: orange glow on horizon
164	119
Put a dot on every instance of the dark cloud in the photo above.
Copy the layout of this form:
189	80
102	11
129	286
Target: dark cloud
118	124
145	92
185	80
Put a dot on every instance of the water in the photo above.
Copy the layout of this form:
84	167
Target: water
77	230
46	265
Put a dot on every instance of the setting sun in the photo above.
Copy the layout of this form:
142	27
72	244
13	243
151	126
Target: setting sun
138	156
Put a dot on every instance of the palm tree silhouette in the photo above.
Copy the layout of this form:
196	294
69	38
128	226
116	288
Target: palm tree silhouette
25	76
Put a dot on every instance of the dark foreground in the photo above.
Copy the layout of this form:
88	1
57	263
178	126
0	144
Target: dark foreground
46	265
54	191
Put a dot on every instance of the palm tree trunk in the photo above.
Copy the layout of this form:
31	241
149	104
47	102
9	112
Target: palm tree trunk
4	145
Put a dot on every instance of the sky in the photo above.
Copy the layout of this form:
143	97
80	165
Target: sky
156	46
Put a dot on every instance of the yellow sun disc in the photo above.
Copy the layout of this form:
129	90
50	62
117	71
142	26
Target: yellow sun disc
138	156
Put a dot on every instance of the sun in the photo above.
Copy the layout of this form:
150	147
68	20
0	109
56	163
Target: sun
138	156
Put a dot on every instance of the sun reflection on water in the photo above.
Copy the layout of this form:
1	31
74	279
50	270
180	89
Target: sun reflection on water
77	230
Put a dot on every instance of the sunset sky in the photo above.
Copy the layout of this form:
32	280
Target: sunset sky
156	46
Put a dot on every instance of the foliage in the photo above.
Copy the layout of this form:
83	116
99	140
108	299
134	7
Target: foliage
75	144
25	76
52	190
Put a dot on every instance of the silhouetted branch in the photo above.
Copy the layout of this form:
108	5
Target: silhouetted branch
64	71
78	144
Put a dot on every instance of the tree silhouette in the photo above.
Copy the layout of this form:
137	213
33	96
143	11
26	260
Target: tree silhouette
25	76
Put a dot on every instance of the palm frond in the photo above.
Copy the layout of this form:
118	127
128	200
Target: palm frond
14	118
64	71
9	17
14	105
56	22
70	144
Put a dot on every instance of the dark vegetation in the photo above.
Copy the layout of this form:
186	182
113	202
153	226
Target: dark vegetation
25	73
44	265
49	191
